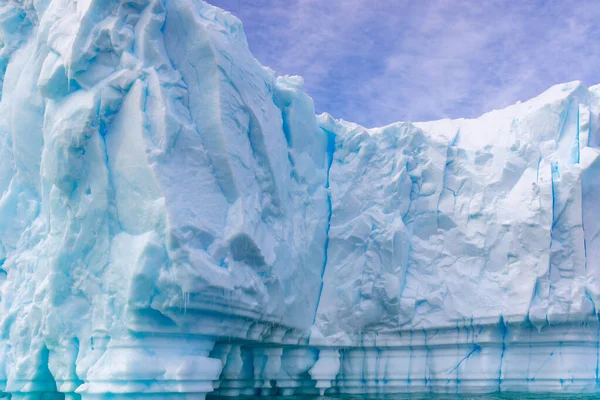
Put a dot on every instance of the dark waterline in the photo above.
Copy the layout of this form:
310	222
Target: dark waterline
430	396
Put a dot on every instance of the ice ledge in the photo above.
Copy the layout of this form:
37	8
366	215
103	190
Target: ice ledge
467	359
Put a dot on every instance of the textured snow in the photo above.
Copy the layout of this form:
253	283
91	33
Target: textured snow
450	222
175	220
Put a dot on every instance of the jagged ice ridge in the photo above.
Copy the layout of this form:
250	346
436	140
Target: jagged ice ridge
175	221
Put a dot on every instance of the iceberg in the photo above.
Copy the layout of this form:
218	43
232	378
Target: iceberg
175	221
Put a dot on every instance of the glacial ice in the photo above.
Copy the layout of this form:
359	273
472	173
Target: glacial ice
176	221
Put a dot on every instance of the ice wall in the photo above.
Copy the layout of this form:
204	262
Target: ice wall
174	220
453	222
156	181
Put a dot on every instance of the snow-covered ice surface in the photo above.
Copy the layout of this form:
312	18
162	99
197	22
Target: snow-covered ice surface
176	221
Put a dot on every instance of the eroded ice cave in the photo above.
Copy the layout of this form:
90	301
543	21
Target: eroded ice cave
175	221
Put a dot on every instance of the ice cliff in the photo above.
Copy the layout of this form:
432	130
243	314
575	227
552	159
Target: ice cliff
175	221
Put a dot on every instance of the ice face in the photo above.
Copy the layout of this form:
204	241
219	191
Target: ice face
152	170
468	221
174	219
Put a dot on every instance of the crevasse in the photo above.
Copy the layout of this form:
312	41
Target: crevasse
175	221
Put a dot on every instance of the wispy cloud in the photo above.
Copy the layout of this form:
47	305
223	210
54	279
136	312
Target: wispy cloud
389	60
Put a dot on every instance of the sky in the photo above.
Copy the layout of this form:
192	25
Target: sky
375	62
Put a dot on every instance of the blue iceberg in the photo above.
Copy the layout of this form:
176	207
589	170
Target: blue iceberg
176	221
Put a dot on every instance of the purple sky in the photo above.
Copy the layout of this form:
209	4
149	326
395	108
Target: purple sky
377	62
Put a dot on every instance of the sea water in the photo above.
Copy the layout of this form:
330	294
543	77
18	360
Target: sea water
438	396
